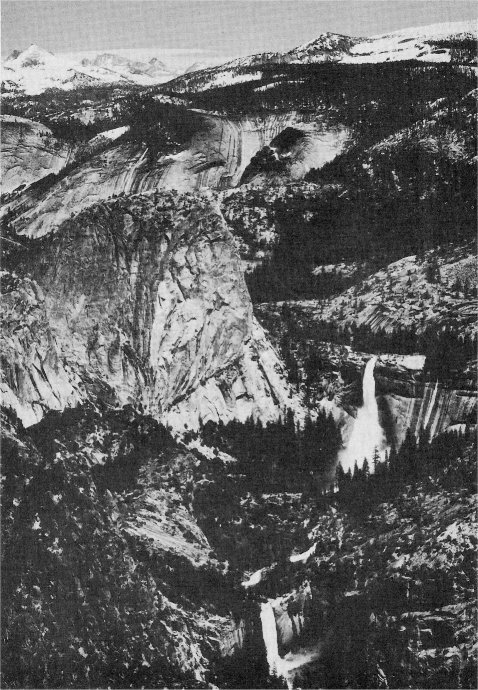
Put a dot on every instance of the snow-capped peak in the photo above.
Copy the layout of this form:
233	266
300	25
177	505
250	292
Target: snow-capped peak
30	57
415	43
34	70
325	47
326	41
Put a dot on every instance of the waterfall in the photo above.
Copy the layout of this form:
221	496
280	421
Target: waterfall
367	434
290	665
269	634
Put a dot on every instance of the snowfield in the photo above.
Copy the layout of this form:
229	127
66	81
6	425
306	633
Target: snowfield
410	44
35	70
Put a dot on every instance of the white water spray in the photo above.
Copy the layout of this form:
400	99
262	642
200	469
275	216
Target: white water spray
367	434
269	633
289	665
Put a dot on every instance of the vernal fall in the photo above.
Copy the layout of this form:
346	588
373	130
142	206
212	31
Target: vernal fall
238	345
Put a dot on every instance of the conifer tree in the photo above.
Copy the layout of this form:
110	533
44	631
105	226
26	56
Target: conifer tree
365	470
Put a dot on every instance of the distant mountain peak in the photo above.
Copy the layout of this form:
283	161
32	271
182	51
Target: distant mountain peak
157	62
325	46
195	67
31	56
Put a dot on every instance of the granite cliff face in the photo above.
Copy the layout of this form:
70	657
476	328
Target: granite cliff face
409	402
29	152
408	397
296	150
139	301
405	399
215	158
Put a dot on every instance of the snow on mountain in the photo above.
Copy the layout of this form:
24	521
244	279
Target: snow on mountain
425	43
226	77
433	43
31	57
34	70
195	67
325	48
154	71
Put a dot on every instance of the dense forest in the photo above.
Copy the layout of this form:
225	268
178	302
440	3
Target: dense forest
416	460
162	127
78	608
280	456
405	200
369	97
447	350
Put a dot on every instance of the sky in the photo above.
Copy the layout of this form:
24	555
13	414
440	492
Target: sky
190	29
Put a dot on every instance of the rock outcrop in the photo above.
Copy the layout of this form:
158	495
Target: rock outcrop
216	158
406	400
29	152
409	402
295	151
138	301
402	573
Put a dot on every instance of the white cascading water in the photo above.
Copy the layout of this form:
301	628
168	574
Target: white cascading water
367	434
288	666
269	634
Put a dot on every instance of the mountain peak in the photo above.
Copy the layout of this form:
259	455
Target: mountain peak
31	56
326	45
156	61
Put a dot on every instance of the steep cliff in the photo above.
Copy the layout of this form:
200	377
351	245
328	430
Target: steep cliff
410	404
29	152
216	157
329	370
141	301
295	151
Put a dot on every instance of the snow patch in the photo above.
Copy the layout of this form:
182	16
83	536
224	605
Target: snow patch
303	557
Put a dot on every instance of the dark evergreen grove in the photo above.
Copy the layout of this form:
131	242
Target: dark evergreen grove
413	201
78	608
447	349
280	456
371	97
416	461
407	183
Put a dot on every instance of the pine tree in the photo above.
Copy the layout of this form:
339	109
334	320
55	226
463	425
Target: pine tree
340	474
393	462
375	459
365	470
356	472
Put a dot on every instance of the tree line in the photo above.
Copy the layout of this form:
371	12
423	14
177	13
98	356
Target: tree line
413	200
376	99
447	457
279	456
448	348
